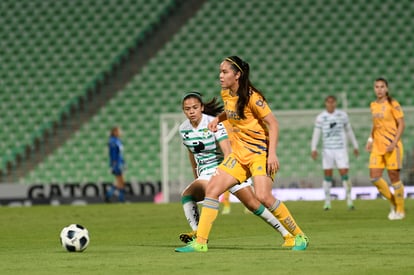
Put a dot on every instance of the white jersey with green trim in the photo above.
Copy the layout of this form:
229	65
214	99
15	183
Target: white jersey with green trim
203	143
334	127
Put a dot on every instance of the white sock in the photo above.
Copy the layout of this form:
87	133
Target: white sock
192	214
267	216
327	189
348	186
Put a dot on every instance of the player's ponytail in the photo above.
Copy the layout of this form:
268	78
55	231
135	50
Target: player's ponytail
389	98
245	86
212	107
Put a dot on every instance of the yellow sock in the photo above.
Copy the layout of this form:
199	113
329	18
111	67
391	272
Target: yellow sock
398	196
226	199
209	214
281	212
383	188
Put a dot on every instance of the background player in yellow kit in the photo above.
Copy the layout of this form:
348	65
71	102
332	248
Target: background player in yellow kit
386	147
254	141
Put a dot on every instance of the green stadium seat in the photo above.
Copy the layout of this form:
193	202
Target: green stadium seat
299	52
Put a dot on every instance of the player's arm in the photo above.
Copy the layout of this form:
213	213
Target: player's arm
352	138
314	143
400	130
113	155
223	139
225	147
273	127
212	126
370	140
193	163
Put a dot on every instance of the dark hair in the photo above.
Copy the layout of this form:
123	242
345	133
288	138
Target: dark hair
212	107
389	98
113	129
245	86
330	97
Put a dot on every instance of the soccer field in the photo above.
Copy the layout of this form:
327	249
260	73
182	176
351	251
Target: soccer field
140	239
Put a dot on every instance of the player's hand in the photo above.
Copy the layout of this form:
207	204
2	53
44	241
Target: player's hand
212	126
368	146
272	164
391	147
314	155
356	152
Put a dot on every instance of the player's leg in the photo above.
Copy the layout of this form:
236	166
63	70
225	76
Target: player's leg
346	183
342	162
217	185
398	187
376	168
263	184
110	192
263	191
192	194
328	163
245	194
120	185
225	199
394	160
327	185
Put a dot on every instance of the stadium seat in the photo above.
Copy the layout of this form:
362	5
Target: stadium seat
299	52
58	49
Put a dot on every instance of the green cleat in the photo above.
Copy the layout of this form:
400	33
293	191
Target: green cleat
193	246
301	242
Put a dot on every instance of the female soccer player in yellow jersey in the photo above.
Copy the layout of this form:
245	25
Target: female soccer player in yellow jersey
386	147
206	150
253	140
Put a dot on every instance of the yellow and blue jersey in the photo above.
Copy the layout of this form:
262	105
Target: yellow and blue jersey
384	119
249	136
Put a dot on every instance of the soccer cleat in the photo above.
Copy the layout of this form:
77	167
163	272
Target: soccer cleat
391	215
351	207
396	216
289	241
188	237
327	206
226	210
301	242
192	246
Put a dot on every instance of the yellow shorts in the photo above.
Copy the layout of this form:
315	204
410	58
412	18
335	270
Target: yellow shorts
390	161
257	167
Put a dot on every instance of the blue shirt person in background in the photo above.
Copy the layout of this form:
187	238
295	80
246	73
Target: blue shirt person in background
117	165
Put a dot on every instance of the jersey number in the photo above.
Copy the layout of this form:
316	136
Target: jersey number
230	162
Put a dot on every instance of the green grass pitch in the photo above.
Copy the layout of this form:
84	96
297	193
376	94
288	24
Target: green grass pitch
140	239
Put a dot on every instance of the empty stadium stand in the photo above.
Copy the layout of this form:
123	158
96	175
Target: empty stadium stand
299	52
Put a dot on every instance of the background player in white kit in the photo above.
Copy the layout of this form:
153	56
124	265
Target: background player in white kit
335	128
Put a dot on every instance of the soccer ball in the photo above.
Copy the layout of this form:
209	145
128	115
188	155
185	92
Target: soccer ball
74	238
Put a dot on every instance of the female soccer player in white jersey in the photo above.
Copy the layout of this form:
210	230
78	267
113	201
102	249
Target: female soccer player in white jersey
335	128
206	151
